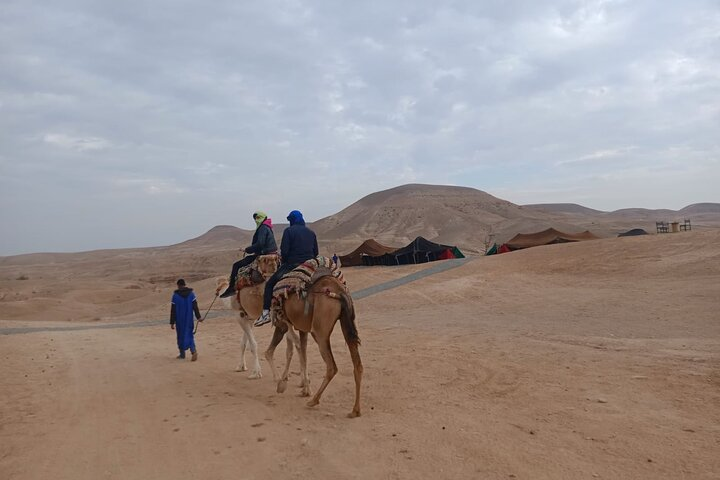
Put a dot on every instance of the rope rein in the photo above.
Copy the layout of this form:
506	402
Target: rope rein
206	314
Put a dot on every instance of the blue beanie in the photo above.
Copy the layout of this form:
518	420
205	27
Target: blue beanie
296	218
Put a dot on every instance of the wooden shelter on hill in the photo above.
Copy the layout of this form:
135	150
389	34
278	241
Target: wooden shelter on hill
547	237
419	250
369	248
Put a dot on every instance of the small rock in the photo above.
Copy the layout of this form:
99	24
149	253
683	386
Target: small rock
601	400
304	442
261	439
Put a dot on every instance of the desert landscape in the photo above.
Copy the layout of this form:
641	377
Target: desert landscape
595	359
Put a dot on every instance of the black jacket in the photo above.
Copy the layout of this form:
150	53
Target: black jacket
263	241
298	245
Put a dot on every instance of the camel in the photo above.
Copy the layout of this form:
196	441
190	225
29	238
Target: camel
327	301
249	302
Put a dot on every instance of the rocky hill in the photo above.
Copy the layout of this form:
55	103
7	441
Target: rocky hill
462	216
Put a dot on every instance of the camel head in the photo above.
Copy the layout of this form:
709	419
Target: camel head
268	264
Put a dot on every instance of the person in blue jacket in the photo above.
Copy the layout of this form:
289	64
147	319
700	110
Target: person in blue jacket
263	242
184	304
298	245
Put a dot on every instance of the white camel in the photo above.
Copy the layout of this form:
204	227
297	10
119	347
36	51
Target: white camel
248	302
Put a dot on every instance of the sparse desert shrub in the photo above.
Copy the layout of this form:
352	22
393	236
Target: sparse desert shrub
23	277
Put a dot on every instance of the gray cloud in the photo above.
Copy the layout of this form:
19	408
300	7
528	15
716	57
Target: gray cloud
136	123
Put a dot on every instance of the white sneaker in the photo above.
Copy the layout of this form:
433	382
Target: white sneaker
264	318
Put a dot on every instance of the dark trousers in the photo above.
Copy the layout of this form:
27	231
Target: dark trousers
238	265
270	284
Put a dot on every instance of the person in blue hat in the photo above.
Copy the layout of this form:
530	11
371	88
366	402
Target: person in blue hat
298	245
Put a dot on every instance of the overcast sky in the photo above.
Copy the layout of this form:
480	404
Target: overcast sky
135	123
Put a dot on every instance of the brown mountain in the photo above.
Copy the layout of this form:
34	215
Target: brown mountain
219	235
460	216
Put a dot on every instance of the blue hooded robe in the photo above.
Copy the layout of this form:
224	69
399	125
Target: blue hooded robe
184	304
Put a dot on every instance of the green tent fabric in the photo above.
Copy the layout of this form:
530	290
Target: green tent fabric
492	250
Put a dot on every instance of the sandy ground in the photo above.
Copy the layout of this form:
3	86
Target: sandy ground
590	360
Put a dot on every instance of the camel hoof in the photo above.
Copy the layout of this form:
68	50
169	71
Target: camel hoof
240	368
304	393
255	375
312	403
281	386
353	414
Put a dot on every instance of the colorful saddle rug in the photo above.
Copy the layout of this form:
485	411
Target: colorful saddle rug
299	280
249	277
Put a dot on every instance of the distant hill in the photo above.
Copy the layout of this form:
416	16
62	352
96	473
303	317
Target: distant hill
460	216
564	208
219	235
700	208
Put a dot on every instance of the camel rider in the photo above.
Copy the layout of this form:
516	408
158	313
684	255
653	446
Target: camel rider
298	245
263	242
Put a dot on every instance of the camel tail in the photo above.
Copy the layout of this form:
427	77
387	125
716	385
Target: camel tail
347	320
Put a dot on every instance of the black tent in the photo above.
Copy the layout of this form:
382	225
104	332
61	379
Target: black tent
633	232
419	250
369	248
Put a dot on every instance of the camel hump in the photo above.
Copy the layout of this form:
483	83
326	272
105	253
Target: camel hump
320	273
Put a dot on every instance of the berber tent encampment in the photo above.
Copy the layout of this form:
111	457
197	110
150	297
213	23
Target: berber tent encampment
419	250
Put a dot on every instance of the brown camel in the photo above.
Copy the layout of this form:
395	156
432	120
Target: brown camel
327	301
249	301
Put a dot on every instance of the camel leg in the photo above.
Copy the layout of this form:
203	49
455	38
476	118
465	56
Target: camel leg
357	371
277	337
331	367
292	339
243	344
249	340
304	377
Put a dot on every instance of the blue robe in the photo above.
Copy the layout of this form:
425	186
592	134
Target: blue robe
184	321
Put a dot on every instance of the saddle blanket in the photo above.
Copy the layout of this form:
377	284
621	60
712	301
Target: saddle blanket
249	276
299	280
